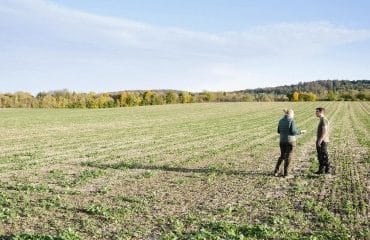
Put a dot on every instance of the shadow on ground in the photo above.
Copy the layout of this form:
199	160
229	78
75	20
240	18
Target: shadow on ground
209	170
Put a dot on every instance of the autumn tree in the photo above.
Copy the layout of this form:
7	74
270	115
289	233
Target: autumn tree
295	97
123	99
77	100
24	100
6	100
91	100
331	96
311	97
48	101
147	98
185	97
157	99
171	97
133	99
105	101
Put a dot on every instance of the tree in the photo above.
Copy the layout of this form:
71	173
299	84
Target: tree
331	96
171	97
133	99
281	98
311	97
247	97
24	100
77	100
123	99
147	98
205	96
105	101
185	97
6	101
262	97
346	96
48	101
91	100
157	98
295	97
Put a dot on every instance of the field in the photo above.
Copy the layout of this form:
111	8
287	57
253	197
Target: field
201	171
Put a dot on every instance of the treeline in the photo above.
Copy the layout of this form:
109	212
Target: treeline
66	99
324	90
310	91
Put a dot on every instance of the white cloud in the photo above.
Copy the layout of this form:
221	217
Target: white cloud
49	41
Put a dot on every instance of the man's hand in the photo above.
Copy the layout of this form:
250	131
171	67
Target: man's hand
318	143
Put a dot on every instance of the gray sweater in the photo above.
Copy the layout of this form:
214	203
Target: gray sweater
287	129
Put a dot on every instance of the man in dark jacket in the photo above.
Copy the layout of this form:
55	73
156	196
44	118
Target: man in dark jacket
288	131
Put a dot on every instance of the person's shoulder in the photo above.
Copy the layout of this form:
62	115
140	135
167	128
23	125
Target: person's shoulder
325	121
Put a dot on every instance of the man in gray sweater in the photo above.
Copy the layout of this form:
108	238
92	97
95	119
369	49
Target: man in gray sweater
288	131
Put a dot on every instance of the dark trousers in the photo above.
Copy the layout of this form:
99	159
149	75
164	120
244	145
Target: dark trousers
286	152
323	157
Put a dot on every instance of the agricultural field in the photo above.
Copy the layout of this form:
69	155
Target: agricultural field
184	171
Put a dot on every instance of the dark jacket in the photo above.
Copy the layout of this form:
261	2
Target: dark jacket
287	130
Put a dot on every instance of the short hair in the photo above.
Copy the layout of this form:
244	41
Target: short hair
288	112
320	109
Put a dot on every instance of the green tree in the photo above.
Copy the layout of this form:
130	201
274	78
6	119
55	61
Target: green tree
171	97
281	98
133	99
105	101
347	96
205	96
331	96
362	96
247	97
262	97
77	100
157	99
311	97
91	101
185	97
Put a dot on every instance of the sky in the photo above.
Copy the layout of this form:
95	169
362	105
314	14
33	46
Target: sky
193	45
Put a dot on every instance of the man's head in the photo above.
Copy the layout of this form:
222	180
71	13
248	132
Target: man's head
289	113
320	111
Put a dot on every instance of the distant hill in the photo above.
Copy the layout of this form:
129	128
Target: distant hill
319	87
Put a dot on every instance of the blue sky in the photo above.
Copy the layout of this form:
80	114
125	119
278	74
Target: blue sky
193	45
